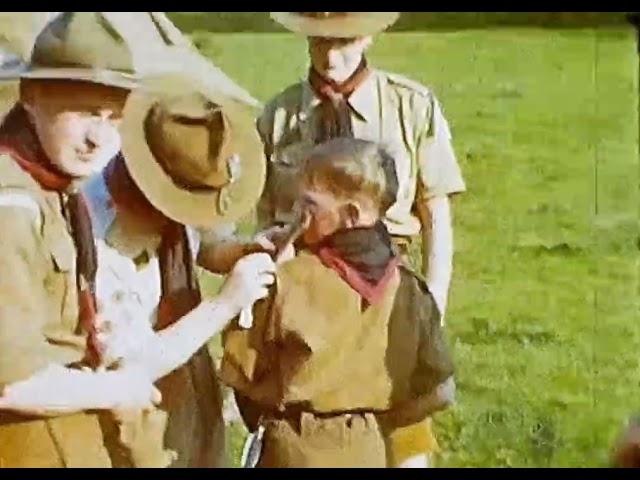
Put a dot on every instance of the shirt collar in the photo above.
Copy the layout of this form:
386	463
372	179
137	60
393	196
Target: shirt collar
363	100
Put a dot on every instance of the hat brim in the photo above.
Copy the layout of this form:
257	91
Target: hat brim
102	77
354	24
193	207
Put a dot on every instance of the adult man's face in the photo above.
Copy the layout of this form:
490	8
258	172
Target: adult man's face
76	123
337	58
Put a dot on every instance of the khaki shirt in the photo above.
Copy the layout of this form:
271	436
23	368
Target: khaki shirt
303	350
398	113
38	319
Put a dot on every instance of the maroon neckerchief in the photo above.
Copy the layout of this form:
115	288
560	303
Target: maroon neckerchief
363	257
180	291
19	140
335	115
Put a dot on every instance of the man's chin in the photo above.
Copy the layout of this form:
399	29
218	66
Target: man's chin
85	168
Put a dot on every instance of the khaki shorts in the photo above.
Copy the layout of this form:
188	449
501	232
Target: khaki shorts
343	441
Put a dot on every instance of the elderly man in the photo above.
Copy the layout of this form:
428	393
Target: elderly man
63	130
344	96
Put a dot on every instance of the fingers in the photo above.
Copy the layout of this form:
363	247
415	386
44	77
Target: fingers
265	244
156	396
266	279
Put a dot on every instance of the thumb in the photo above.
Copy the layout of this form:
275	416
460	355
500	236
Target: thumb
156	396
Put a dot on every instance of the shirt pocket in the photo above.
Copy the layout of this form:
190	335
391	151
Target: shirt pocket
61	281
406	171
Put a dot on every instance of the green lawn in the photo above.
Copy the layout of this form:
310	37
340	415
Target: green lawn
543	318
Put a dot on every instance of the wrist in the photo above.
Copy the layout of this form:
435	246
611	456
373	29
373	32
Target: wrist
222	309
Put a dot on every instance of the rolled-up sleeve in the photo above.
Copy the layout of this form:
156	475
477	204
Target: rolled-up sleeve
439	171
24	299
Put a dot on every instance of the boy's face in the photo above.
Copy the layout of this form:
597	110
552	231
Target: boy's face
77	124
324	215
328	214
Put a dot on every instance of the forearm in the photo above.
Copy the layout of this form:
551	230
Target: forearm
416	410
437	248
66	392
175	345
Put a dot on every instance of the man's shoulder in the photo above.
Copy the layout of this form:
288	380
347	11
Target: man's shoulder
20	197
288	99
405	85
11	175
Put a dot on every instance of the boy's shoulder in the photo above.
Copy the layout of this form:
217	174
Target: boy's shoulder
414	294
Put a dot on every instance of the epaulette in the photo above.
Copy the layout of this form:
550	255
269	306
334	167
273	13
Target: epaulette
407	83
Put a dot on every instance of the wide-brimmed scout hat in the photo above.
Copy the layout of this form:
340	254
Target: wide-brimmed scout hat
336	24
193	149
111	48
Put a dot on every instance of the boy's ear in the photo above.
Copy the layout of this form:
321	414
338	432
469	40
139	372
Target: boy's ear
350	214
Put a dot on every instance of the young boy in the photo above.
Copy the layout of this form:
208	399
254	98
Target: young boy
348	346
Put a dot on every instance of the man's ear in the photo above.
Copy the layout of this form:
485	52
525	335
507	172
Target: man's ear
351	214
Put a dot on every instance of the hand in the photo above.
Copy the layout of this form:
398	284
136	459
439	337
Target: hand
268	239
130	388
248	282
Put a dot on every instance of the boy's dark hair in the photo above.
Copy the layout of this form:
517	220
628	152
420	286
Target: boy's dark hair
349	167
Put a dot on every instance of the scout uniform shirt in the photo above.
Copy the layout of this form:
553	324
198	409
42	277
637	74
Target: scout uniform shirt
38	322
401	115
189	420
321	372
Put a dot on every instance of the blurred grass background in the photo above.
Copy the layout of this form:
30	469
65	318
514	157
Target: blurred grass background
543	316
544	301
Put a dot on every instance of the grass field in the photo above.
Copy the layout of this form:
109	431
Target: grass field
543	318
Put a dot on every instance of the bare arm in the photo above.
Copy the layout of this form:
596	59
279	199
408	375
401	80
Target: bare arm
413	411
57	390
437	247
33	378
160	353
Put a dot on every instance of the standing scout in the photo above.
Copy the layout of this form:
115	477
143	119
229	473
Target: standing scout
191	156
344	96
63	130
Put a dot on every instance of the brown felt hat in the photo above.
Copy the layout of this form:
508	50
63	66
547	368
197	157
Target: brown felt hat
111	48
193	149
336	24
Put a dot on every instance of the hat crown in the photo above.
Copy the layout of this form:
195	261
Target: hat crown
189	137
336	24
322	15
101	40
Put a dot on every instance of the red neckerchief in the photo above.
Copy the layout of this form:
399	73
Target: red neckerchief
371	292
334	119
